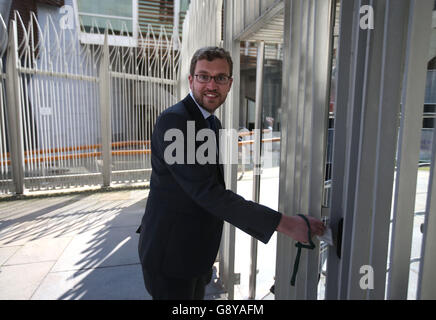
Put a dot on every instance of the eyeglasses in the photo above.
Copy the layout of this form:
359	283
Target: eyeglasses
219	79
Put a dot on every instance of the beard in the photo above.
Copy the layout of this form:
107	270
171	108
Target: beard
210	103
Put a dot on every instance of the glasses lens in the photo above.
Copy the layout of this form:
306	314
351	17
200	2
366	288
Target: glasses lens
221	79
203	78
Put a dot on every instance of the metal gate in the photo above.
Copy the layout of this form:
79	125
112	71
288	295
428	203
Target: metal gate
80	114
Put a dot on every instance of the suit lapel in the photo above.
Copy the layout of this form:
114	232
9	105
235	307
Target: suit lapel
195	113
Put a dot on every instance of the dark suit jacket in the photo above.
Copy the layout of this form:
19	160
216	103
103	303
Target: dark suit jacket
181	229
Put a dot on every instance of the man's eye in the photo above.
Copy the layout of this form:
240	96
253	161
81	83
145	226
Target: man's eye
221	78
203	77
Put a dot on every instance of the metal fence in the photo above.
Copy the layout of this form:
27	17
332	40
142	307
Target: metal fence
79	114
4	166
384	243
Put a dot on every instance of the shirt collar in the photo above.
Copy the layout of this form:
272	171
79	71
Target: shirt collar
204	112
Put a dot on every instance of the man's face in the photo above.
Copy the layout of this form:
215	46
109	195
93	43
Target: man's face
210	95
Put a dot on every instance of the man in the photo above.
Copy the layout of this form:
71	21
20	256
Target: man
187	204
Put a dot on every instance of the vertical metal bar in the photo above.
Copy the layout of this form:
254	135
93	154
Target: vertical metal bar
176	20
352	142
304	105
365	201
231	120
408	152
323	29
282	259
389	107
285	248
340	135
15	111
87	139
105	110
116	107
4	166
257	160
303	132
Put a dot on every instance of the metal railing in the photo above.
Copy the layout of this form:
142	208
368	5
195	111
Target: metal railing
430	87
4	167
79	114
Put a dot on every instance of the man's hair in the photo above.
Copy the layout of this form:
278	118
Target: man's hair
210	54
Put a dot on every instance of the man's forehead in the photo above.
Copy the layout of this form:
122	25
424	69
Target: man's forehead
205	65
209	71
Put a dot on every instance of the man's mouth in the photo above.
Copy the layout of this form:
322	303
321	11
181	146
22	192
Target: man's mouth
211	95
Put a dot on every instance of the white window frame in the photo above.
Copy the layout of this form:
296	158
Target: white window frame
114	40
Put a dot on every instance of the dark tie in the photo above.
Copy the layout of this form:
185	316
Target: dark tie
212	123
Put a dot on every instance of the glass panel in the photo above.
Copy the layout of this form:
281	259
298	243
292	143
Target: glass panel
184	5
118	13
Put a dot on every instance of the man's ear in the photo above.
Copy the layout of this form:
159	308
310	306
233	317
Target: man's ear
190	79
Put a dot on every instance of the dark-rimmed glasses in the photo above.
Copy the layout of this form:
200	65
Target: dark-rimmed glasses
219	79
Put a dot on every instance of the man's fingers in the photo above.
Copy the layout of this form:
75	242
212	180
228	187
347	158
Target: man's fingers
318	228
321	229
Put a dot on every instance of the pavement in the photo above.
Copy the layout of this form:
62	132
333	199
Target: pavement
81	246
84	246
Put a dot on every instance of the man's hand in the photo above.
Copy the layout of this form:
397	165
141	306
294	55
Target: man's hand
296	228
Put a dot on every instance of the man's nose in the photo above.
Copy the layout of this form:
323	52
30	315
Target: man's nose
212	84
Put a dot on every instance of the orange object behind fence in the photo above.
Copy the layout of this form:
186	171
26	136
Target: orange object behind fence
96	154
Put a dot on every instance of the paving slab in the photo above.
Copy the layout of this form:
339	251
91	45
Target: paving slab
98	248
47	249
18	282
30	209
110	283
7	252
127	219
38	219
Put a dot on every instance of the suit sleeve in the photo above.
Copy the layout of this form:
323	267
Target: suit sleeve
201	184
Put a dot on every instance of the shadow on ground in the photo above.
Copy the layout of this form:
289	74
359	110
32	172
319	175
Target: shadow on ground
77	247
